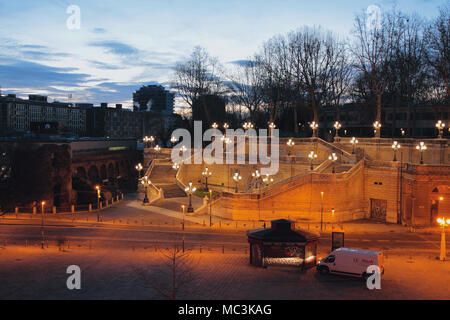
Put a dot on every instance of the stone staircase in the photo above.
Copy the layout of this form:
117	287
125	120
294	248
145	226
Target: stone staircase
162	175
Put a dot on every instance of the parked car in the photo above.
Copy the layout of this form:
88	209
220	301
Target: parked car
351	262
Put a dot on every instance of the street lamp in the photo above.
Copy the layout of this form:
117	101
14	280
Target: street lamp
157	148
184	212
190	189
173	140
210	207
145	182
314	125
421	147
206	173
214	125
176	166
226	126
395	146
440	126
139	168
290	145
376	126
42	224
321	210
272	126
236	178
97	187
337	125
248	125
333	158
354	142
312	155
151	139
146	140
443	223
267	180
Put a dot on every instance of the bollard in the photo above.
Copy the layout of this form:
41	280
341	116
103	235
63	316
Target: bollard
90	207
73	208
34	210
54	210
16	210
101	205
117	197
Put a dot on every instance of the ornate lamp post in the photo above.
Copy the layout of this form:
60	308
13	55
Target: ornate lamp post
290	145
333	158
272	126
376	127
421	147
206	173
395	146
312	155
190	189
157	148
176	166
236	178
151	139
314	126
440	126
146	140
139	168
98	201
226	126
173	140
443	222
214	125
145	182
42	223
248	125
337	125
354	142
267	180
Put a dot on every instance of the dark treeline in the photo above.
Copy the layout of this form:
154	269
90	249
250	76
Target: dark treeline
393	59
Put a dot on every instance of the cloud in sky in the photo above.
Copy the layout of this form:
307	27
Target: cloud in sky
125	44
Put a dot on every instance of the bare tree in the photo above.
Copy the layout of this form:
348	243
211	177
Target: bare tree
173	277
374	49
437	43
198	76
246	84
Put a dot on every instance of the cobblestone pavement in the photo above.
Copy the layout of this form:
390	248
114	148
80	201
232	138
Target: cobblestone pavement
33	273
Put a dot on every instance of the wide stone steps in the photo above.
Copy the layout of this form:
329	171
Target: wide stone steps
162	174
171	190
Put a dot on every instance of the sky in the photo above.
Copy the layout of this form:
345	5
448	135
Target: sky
121	45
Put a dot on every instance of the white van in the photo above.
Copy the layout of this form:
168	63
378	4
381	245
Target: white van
351	262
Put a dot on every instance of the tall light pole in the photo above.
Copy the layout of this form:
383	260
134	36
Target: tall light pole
290	144
333	158
145	182
272	126
139	168
184	212
312	155
396	146
321	210
151	139
337	125
248	125
214	125
421	147
146	140
97	187
42	223
376	129
354	142
226	126
440	126
206	174
314	126
236	178
210	207
190	189
443	223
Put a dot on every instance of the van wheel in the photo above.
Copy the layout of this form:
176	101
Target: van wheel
324	270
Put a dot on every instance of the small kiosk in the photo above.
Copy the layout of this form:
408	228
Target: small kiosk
281	244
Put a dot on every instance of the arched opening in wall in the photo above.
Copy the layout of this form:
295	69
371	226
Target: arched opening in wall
117	170
440	203
111	175
93	174
103	175
81	173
